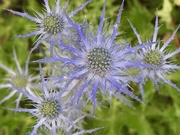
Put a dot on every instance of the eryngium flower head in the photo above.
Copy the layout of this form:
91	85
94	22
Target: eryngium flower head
20	78
52	24
156	55
51	107
99	60
77	118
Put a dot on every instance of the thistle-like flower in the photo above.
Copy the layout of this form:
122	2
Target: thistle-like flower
20	78
99	62
52	24
51	108
156	55
77	118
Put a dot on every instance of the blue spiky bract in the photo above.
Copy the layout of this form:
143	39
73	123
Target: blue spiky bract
98	61
52	24
51	110
156	55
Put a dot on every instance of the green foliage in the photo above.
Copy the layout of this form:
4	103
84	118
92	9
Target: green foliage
158	115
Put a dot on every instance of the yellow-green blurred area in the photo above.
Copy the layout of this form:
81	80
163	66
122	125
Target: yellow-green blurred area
158	115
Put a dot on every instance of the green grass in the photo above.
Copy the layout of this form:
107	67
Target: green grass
158	115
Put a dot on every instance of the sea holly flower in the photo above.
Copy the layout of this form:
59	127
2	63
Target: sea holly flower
51	108
156	55
99	60
78	118
52	24
20	78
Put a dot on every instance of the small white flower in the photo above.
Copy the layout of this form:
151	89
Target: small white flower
20	78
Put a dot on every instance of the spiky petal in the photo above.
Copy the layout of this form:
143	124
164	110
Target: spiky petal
52	24
156	55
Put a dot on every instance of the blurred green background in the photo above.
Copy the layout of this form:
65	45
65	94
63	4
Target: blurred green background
158	115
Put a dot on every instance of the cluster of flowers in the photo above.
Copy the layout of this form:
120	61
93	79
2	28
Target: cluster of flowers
84	63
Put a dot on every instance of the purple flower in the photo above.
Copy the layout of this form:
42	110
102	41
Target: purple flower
52	24
52	109
158	56
99	63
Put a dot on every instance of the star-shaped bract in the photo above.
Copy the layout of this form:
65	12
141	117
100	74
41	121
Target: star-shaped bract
156	55
52	24
98	61
20	78
52	110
